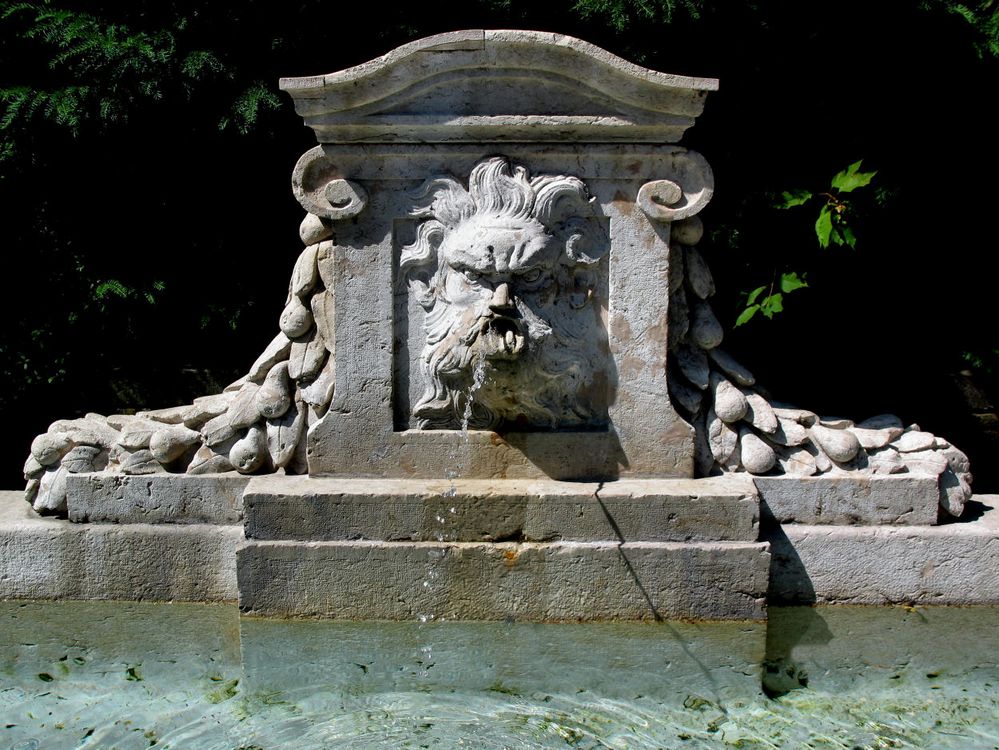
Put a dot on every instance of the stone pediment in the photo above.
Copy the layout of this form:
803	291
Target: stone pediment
525	86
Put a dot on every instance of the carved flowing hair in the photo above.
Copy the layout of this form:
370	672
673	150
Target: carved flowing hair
496	188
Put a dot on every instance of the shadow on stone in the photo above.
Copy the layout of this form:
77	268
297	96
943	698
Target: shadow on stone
973	511
656	615
789	580
610	455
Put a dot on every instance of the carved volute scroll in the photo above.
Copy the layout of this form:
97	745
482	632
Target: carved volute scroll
681	197
321	190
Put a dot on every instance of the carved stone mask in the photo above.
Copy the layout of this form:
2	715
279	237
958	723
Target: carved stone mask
501	273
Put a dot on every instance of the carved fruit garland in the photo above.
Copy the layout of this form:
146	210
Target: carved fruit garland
257	424
739	429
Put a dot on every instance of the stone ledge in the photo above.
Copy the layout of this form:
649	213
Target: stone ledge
955	563
566	581
907	499
156	498
658	510
45	558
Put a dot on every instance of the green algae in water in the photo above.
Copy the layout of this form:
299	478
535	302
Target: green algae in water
223	693
194	676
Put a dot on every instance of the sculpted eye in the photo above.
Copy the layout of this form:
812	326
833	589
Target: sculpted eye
471	275
533	275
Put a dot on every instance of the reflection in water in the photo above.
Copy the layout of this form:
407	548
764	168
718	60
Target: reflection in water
102	675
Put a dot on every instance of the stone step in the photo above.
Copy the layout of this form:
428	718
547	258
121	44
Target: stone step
561	581
51	558
102	497
954	563
632	510
851	499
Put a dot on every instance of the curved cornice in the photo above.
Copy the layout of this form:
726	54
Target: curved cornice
498	86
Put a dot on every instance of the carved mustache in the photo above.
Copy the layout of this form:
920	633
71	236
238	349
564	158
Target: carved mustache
503	334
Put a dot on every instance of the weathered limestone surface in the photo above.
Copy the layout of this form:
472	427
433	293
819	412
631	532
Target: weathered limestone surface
44	558
910	499
564	581
955	563
156	498
330	509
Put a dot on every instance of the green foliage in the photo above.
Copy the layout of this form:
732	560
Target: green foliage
983	17
851	178
833	223
984	361
622	14
105	70
792	198
118	64
832	227
103	291
772	302
248	106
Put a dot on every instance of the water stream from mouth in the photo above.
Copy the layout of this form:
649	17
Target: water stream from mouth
478	378
446	516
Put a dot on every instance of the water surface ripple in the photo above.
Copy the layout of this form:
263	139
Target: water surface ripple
115	675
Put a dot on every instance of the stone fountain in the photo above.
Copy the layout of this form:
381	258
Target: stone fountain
497	390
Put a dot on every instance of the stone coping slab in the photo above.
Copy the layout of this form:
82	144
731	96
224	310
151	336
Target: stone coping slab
46	558
847	499
559	582
956	563
658	510
156	498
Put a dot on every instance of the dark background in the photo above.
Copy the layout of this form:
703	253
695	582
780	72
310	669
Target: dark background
149	228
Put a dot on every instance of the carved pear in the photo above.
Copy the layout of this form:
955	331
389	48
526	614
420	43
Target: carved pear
757	457
296	319
840	445
730	403
249	453
49	447
760	414
274	396
171	443
722	439
283	435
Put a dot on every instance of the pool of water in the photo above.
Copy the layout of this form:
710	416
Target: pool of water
114	675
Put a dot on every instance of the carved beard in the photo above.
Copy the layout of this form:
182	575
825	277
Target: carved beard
488	371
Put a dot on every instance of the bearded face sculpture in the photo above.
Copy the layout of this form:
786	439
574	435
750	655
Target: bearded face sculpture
506	272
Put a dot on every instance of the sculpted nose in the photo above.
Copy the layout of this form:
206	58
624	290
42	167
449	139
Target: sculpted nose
501	301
